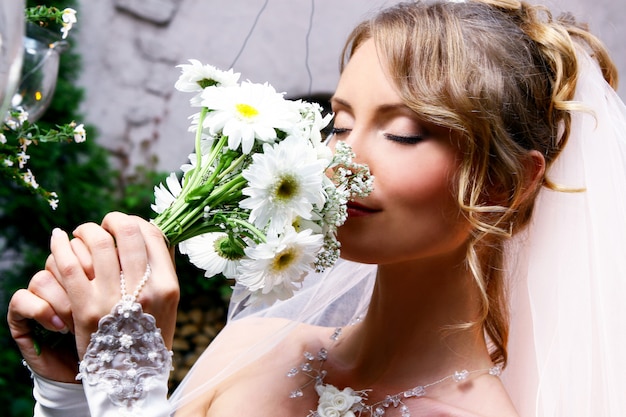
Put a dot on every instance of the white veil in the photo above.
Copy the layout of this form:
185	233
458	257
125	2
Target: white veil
568	276
567	352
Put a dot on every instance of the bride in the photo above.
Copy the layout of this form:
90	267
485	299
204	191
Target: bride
491	243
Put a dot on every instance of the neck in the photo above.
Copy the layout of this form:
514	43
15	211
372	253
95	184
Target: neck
407	335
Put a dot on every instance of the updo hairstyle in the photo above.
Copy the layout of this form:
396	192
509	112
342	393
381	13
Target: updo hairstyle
502	74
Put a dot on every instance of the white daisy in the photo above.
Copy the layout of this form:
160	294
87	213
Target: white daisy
195	77
3	139
80	135
272	269
164	196
210	252
285	181
246	112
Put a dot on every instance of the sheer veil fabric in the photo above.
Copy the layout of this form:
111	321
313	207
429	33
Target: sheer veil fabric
567	275
568	271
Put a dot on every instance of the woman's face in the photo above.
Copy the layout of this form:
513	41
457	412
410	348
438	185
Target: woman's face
412	213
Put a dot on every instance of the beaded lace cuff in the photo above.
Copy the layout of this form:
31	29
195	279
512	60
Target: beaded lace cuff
126	356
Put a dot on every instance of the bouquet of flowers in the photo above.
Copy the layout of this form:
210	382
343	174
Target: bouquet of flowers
262	196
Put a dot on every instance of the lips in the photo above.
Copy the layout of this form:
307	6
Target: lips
359	210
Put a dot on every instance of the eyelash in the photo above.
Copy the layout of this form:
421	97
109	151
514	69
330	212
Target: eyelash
405	140
338	131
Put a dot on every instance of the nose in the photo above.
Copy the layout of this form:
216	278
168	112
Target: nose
357	140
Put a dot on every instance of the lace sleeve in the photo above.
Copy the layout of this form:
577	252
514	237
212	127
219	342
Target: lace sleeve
126	366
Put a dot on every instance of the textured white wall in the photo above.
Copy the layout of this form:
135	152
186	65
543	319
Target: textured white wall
131	47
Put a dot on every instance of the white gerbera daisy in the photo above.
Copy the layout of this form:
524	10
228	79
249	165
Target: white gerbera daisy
247	112
164	195
272	269
206	252
284	182
196	77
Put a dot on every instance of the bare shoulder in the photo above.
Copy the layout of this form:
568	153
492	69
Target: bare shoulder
253	387
484	396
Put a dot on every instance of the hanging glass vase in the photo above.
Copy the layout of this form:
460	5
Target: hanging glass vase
42	49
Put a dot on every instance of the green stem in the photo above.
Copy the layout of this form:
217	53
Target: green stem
251	228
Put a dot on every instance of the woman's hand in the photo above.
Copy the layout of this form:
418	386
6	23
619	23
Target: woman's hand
81	284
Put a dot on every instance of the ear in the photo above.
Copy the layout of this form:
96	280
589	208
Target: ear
535	168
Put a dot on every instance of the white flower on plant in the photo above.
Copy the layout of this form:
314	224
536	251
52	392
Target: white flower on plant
8	162
22	159
3	139
25	143
284	182
246	113
273	269
196	76
22	116
53	200
206	135
204	161
311	122
301	224
210	252
335	209
165	195
69	19
80	135
335	403
29	179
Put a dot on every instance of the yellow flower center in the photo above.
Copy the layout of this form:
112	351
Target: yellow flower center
286	188
246	110
284	259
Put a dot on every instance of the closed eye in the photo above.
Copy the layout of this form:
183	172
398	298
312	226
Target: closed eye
338	131
406	140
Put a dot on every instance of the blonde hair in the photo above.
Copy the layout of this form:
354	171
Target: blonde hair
502	73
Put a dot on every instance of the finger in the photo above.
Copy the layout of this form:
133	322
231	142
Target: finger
131	246
45	286
51	266
64	264
25	306
159	254
162	291
90	300
164	279
104	267
84	257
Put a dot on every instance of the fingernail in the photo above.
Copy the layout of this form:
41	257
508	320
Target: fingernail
59	324
56	232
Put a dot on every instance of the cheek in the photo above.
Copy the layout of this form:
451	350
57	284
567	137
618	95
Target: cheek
423	184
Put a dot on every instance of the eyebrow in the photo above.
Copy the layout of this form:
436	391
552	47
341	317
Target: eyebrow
389	107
